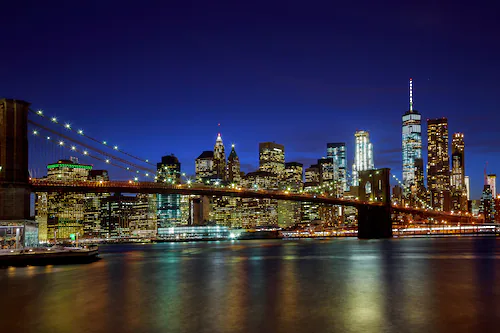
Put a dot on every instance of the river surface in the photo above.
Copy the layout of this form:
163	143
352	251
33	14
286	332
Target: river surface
338	285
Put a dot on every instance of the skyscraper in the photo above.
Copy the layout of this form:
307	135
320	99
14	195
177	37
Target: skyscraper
293	176
487	207
233	167
62	214
272	158
412	143
337	152
438	164
457	179
457	162
492	181
363	157
219	159
168	205
204	166
467	186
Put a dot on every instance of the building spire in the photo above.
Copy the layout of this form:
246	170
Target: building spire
411	94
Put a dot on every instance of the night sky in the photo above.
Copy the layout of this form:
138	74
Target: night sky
156	77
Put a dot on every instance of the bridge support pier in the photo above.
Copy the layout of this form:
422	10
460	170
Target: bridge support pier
15	189
374	222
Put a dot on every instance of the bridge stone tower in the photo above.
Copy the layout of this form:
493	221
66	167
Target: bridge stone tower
14	174
375	221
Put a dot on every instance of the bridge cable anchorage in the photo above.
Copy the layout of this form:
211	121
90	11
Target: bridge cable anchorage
99	151
67	126
73	148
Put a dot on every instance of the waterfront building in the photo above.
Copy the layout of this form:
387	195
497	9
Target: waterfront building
289	212
128	216
219	159
363	157
272	158
233	167
337	152
411	143
168	205
492	181
438	164
195	233
57	213
467	186
259	212
91	222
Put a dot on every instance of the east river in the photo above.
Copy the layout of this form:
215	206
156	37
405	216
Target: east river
338	285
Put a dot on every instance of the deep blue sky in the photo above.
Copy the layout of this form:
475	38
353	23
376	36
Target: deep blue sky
155	77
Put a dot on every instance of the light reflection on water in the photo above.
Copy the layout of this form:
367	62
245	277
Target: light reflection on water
347	285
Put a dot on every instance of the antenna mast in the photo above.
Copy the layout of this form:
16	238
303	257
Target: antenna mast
411	94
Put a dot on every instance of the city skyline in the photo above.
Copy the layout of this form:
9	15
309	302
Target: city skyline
155	92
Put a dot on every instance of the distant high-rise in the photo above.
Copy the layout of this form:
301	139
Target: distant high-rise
492	181
457	162
337	152
363	157
219	159
487	207
326	171
233	167
204	166
293	176
62	213
272	157
168	205
467	186
438	163
412	142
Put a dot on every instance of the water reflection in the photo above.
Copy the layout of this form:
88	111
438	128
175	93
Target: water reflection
401	285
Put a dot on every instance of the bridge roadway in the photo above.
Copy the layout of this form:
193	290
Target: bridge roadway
41	185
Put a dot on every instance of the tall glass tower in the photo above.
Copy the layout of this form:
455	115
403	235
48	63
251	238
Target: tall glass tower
337	152
363	157
412	143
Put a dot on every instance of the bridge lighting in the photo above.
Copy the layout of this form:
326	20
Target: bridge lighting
147	161
80	132
128	168
61	143
189	182
136	179
68	126
107	161
39	112
54	119
115	147
73	148
137	171
147	174
35	132
104	143
85	152
48	138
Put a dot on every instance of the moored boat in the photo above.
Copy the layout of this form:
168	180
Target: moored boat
55	255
